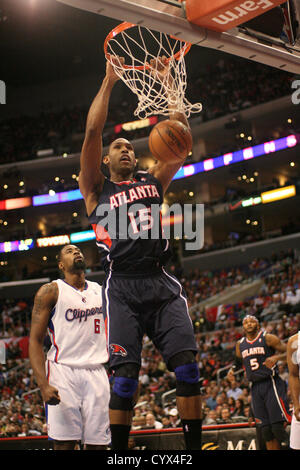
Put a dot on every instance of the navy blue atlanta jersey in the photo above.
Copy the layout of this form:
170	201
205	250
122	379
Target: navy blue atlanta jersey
128	226
254	353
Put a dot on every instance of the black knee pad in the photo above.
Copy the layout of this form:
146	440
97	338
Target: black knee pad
180	359
266	433
130	370
280	433
120	403
187	374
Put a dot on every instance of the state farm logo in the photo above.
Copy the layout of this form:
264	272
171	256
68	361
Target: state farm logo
244	9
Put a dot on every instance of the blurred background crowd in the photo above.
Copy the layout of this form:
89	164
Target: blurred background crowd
217	329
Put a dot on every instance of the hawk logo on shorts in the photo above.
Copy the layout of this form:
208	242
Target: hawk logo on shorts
118	350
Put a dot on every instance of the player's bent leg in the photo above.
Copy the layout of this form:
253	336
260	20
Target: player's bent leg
121	404
188	397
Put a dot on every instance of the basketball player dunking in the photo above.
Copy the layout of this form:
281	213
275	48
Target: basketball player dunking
259	352
74	384
139	296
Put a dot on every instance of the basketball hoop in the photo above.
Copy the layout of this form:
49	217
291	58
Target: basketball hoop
139	46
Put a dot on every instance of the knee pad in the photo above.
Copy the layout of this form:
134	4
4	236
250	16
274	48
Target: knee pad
267	434
124	387
187	376
279	433
130	371
188	373
180	359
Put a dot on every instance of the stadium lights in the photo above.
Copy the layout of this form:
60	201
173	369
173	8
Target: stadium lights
53	241
238	156
133	125
87	235
278	194
18	245
184	172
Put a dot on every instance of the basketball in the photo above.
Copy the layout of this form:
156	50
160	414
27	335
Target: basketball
170	141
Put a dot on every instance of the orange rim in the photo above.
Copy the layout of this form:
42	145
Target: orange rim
125	25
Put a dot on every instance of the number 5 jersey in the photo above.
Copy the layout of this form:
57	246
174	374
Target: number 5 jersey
254	353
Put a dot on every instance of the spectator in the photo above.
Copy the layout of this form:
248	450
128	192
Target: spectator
151	422
239	408
211	418
234	391
174	418
232	404
165	422
211	401
225	416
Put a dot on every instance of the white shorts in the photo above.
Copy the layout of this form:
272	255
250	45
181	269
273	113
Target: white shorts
82	413
295	434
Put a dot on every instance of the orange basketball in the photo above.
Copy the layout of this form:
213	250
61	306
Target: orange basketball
170	141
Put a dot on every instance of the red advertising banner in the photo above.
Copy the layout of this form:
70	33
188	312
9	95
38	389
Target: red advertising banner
222	15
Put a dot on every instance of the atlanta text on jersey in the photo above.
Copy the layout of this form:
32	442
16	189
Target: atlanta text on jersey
252	351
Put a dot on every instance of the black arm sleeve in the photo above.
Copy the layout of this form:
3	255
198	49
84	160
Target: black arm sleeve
238	363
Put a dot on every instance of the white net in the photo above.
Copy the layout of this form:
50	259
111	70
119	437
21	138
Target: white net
157	93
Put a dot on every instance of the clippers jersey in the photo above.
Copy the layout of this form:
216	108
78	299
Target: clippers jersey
254	353
76	326
127	225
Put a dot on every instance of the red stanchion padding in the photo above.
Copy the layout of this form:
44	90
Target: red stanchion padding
222	15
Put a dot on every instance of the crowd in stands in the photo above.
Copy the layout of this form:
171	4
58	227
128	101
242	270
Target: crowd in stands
224	87
276	305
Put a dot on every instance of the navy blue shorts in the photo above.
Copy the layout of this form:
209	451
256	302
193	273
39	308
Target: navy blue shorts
269	401
155	306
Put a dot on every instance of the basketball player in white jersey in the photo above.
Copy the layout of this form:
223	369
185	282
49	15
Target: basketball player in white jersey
74	384
293	359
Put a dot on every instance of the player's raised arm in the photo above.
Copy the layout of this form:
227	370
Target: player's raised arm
91	178
165	171
44	301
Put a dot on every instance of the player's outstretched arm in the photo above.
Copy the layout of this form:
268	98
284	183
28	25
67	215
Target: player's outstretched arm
294	382
44	301
91	178
164	171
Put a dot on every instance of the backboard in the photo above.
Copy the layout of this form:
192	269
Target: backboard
246	40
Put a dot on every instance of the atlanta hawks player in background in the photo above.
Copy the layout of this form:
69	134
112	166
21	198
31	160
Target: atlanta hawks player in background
259	353
74	384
